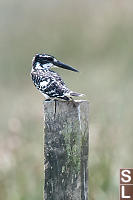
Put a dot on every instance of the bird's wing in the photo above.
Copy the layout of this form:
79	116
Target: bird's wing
56	86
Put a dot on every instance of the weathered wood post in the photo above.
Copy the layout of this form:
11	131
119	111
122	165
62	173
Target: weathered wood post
66	135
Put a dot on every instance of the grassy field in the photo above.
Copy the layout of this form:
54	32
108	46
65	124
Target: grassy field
96	37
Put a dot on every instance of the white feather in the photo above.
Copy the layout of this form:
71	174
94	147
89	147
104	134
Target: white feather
44	83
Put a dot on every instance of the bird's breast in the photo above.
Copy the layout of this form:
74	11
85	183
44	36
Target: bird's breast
41	79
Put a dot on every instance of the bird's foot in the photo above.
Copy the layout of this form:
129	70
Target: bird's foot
74	103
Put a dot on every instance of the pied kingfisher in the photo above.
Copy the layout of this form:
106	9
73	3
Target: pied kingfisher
48	82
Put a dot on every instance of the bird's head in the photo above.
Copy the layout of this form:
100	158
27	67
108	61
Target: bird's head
45	62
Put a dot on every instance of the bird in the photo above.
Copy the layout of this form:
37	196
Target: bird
49	82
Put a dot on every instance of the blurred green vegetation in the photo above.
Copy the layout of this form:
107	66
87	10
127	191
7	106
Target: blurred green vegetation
96	37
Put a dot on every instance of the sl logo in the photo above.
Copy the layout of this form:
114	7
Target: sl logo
126	184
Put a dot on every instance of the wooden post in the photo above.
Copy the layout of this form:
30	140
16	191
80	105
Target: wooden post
66	136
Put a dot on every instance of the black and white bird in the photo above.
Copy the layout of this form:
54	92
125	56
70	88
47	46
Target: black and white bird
48	82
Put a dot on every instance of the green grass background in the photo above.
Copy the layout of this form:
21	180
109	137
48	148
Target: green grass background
96	37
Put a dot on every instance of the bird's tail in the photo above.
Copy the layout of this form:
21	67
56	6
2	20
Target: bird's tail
75	94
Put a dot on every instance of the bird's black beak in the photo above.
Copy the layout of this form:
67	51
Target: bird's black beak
64	66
